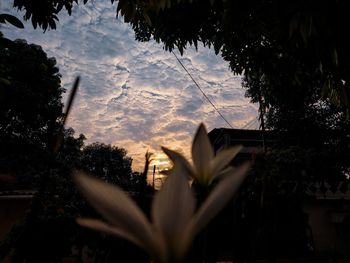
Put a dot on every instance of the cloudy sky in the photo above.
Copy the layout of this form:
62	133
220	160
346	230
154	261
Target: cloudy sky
136	95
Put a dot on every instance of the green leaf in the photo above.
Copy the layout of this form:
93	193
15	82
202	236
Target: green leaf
12	20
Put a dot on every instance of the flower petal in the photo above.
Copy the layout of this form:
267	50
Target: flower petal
223	158
108	229
115	206
153	249
172	211
179	159
226	172
219	197
202	152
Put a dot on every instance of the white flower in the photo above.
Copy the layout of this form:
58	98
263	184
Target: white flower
174	219
206	167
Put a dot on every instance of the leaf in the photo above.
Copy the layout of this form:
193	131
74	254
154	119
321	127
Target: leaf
27	15
195	43
59	7
44	25
12	20
52	24
217	47
34	22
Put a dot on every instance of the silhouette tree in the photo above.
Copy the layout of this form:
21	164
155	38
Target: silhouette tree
107	162
30	107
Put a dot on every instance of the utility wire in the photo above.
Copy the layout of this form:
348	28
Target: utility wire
257	127
255	124
195	82
248	123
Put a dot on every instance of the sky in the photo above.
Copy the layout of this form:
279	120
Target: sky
136	95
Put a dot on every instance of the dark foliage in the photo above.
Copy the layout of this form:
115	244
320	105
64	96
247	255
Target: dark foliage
6	18
31	123
30	108
107	162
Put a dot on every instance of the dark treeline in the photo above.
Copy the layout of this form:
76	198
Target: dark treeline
31	114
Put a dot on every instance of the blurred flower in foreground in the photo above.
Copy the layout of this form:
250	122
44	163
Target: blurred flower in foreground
174	219
206	167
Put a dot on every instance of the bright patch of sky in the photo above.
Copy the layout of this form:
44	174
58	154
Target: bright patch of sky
136	95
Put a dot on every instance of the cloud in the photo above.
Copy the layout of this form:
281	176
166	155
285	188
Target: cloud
136	95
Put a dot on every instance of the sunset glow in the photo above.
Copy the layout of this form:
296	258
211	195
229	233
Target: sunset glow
136	95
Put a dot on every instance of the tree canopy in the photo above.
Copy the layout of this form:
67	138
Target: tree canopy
31	90
30	106
31	118
110	163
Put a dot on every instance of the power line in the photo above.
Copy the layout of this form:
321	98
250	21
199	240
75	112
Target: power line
195	82
249	123
255	124
257	127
